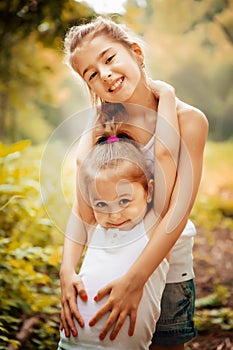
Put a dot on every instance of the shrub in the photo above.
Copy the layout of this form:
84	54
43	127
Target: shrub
29	255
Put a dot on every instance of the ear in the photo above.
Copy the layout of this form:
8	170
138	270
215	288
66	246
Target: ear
150	190
138	52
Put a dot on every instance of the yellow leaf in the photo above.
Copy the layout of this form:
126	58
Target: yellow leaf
5	150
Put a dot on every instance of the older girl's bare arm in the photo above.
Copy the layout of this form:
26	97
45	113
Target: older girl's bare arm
194	128
166	145
71	284
74	242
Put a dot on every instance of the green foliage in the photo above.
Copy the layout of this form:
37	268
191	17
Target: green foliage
218	298
205	319
30	245
214	206
48	20
212	211
31	95
191	46
29	254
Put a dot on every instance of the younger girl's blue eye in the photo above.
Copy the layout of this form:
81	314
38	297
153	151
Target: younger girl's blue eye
101	205
124	201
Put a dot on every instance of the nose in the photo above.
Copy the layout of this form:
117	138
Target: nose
115	215
105	73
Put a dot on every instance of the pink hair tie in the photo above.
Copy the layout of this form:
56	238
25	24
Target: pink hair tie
112	139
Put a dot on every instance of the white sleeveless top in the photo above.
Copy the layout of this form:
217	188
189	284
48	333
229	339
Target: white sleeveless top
181	258
110	254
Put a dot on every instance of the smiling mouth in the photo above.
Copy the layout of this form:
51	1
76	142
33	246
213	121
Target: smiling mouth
116	85
118	225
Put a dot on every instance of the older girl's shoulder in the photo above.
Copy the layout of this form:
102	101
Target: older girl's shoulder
190	116
194	126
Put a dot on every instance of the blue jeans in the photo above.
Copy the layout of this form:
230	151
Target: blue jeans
176	325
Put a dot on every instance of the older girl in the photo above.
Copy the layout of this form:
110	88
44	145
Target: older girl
111	62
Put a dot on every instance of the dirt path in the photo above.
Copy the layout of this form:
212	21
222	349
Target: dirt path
213	267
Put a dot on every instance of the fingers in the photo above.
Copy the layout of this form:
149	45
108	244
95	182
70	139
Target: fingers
114	315
74	312
120	321
67	319
105	308
122	301
103	292
100	313
133	318
69	309
159	86
81	291
115	320
67	322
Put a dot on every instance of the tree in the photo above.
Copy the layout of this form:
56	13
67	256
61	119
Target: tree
190	46
26	29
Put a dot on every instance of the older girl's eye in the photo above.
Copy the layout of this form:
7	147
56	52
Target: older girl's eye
92	75
109	59
124	201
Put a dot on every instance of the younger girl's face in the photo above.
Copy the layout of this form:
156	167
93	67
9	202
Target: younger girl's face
118	203
111	70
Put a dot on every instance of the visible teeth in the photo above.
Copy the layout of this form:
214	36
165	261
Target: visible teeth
117	83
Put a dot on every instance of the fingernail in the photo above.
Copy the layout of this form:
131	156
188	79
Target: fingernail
130	334
95	298
91	324
74	332
101	336
84	297
112	337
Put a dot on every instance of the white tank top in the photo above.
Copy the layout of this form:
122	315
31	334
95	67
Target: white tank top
181	259
110	254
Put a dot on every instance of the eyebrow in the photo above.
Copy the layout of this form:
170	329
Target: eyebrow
98	57
105	201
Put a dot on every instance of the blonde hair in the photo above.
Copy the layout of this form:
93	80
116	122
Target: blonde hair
100	25
111	121
123	156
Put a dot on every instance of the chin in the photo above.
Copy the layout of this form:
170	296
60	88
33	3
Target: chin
128	227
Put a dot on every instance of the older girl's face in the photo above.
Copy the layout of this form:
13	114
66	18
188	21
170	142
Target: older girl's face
111	70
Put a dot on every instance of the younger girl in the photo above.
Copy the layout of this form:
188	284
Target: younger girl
111	63
120	188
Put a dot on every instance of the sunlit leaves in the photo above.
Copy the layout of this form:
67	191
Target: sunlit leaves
205	319
190	46
29	281
6	150
31	93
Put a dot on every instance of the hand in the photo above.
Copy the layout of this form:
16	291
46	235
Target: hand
123	301
159	87
71	286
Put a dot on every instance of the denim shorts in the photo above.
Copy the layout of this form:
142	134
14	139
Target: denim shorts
176	325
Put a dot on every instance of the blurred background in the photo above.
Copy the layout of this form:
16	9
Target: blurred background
188	43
